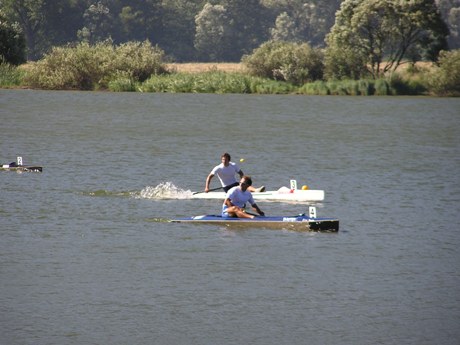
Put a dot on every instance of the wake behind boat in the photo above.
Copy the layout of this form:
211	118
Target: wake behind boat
167	191
299	222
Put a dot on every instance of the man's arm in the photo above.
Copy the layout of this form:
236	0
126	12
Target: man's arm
208	181
259	211
228	202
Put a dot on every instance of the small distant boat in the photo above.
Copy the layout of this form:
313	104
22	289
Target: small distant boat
19	167
301	222
282	194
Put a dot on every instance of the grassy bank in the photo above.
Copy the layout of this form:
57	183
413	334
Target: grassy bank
232	78
202	67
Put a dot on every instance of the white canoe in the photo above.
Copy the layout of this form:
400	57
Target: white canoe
295	195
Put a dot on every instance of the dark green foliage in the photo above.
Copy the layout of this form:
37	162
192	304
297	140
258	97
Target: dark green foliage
364	87
12	43
382	88
412	86
229	29
302	21
170	24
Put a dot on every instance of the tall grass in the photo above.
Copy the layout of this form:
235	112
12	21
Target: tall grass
315	88
206	82
364	87
122	82
412	84
212	82
10	76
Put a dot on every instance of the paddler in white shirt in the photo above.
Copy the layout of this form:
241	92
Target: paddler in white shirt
237	197
226	172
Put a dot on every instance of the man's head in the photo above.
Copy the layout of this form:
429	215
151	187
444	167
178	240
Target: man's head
245	182
225	158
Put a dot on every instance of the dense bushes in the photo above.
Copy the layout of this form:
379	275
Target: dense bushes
291	62
89	67
445	79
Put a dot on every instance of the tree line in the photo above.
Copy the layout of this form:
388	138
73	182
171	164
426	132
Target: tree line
187	30
368	39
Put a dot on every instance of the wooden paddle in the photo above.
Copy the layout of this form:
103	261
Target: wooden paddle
205	192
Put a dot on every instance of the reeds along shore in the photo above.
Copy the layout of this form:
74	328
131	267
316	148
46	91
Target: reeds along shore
233	78
200	67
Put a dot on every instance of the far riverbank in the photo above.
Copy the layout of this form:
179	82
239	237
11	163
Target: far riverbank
224	77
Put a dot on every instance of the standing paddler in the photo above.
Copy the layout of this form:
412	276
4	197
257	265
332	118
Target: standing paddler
226	172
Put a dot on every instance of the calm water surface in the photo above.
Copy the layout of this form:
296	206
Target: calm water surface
84	258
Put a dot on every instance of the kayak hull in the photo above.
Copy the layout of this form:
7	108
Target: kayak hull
300	222
22	168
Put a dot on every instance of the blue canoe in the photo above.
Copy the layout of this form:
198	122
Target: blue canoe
299	222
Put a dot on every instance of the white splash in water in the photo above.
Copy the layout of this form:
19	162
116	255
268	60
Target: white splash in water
165	190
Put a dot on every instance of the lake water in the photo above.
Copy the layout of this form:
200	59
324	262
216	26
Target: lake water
87	257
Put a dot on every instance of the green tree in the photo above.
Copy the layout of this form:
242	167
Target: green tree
12	42
98	21
235	27
44	23
382	34
132	22
137	20
29	14
285	29
178	33
302	21
211	29
249	24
